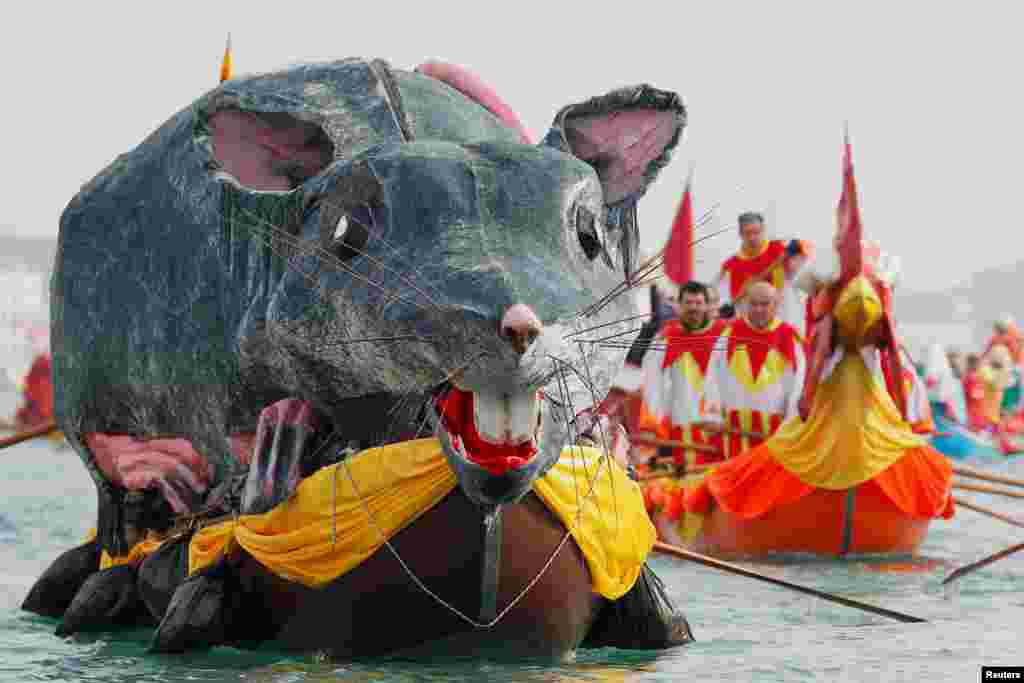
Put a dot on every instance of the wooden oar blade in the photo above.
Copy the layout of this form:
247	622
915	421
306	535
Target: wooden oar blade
985	511
683	554
981	488
985	476
984	562
33	433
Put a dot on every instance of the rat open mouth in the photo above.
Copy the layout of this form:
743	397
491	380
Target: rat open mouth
498	432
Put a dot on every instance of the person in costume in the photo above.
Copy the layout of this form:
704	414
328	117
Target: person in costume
974	393
1010	405
37	408
624	403
945	391
674	370
995	378
957	363
755	374
761	259
1001	380
1005	333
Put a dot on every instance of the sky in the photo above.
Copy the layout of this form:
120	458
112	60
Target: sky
931	92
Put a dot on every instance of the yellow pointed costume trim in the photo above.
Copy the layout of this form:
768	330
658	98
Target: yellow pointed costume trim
687	366
771	372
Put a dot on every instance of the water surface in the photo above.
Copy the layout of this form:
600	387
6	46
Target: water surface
746	630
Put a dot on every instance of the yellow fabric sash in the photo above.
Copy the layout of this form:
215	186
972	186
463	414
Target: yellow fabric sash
138	551
855	431
328	528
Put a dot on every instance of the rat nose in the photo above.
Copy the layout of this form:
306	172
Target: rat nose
520	326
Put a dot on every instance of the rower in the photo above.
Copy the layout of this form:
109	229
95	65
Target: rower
1005	333
974	393
674	370
756	373
760	259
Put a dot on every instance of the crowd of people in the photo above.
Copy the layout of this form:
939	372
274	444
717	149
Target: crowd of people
981	391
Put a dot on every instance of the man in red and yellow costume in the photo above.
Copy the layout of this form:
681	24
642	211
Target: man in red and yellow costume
755	373
760	259
674	369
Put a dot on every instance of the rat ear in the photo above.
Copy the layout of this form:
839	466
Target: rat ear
627	136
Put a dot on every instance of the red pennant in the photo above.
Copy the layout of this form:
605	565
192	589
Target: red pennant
679	252
849	231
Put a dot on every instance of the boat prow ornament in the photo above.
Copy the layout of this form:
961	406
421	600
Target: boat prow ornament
318	340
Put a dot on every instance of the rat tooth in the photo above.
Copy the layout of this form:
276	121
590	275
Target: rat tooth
504	418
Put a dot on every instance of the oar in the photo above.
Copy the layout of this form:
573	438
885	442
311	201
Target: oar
988	489
985	476
985	511
967	569
662	475
683	554
651	441
33	433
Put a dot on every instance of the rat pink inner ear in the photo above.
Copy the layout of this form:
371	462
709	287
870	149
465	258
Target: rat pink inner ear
620	145
268	151
475	89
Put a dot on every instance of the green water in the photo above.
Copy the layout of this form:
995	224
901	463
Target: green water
746	630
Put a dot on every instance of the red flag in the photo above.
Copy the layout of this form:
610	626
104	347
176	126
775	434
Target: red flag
849	231
679	252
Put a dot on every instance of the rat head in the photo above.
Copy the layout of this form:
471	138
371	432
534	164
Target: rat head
373	242
463	274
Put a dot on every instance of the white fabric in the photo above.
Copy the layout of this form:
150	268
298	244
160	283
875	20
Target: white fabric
667	391
939	373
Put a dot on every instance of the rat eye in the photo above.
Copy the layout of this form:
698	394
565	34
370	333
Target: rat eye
350	236
586	231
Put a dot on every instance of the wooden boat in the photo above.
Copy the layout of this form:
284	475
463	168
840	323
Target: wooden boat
862	520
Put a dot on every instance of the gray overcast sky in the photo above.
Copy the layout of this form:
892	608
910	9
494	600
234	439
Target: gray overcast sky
931	91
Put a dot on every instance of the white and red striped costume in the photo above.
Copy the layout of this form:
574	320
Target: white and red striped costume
754	381
673	388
